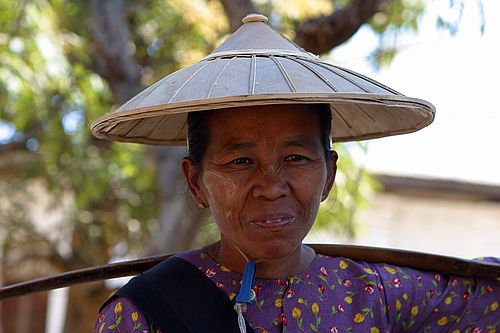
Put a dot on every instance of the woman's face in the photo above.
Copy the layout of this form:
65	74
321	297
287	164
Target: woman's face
263	175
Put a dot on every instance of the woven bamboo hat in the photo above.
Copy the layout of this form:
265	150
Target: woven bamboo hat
258	66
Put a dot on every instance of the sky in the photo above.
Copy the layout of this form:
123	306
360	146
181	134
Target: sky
459	75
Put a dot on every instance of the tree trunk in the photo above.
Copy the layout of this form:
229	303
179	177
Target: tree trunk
177	226
179	214
236	10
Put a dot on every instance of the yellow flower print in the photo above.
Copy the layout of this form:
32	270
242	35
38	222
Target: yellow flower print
390	270
369	270
405	297
398	305
348	299
447	300
264	331
455	331
118	308
278	302
315	308
232	296
102	327
373	329
494	306
135	316
492	330
414	311
343	264
296	313
442	321
359	318
301	300
224	268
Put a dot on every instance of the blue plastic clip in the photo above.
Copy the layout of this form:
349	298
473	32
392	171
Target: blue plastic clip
246	294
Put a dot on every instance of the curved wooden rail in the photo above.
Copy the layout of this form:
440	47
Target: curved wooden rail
417	260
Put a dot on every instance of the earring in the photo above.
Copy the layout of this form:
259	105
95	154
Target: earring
201	205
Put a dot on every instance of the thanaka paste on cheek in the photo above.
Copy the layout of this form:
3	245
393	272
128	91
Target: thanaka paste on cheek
220	189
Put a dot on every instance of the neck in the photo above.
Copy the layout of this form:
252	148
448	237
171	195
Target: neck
295	262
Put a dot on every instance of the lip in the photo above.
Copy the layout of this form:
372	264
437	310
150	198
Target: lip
273	221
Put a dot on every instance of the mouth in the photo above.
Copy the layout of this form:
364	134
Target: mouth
273	221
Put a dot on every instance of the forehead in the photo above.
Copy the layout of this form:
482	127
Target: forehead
264	124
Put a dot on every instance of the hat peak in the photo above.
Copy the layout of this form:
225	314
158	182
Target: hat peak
254	17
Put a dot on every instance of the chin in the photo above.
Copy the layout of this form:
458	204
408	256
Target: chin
276	249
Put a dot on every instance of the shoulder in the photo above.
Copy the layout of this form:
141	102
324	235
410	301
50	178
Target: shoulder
120	314
369	276
194	256
341	265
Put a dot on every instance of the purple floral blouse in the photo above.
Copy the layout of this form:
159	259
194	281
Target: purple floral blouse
342	295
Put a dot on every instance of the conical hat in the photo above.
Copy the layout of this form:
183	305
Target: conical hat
258	66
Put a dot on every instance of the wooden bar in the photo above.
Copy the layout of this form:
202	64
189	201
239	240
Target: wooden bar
416	260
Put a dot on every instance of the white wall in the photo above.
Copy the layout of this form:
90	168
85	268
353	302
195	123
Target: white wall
455	227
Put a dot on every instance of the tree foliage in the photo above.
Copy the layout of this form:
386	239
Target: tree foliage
51	95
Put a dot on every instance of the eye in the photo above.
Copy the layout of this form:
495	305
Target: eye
241	161
295	158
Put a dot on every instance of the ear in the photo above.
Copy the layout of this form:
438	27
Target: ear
331	165
191	172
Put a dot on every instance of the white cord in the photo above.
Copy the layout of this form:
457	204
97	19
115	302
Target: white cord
240	308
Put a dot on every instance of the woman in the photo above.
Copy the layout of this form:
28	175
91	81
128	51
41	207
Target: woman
262	169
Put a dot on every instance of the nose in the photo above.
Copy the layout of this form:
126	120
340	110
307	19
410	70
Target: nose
270	185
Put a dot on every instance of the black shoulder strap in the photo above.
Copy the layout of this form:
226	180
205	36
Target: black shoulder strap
177	297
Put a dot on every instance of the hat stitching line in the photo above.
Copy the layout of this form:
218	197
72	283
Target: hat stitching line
318	74
218	76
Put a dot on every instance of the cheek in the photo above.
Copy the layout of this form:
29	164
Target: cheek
221	192
308	184
308	189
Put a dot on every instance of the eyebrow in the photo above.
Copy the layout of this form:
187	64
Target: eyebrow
237	146
303	143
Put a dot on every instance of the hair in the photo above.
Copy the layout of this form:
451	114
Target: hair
198	131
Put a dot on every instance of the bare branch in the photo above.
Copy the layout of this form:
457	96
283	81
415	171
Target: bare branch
236	10
320	35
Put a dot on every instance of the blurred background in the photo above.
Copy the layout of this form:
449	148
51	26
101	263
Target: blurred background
69	201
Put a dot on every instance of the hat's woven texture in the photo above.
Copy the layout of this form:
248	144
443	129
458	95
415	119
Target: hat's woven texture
258	66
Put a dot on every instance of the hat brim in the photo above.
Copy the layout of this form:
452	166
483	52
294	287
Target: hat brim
354	116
